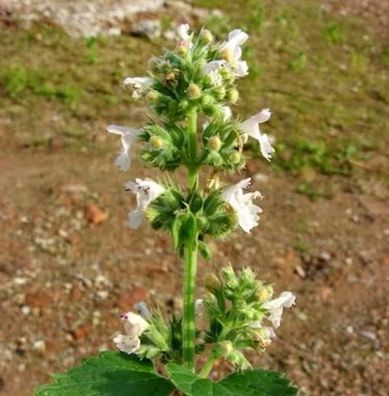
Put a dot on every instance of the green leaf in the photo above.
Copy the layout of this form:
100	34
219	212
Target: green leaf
246	383
109	374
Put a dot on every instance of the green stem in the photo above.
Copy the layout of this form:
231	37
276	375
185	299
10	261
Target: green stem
188	321
207	367
190	256
192	149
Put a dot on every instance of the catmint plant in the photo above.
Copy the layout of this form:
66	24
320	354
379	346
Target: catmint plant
190	89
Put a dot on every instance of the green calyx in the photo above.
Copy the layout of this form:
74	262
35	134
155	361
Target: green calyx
199	214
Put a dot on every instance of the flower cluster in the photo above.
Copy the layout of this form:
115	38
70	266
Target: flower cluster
146	335
242	314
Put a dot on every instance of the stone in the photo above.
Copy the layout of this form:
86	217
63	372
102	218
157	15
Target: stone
94	214
150	28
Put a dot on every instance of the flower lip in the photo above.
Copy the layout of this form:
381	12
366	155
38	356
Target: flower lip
250	127
127	137
242	203
276	306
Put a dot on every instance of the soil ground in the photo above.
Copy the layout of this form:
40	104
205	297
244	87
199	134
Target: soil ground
68	263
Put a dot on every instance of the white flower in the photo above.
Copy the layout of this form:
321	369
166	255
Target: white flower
276	307
232	52
183	35
146	191
126	343
127	136
212	69
250	127
139	85
246	211
134	325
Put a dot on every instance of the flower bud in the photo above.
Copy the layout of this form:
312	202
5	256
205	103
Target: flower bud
265	293
183	105
207	100
194	91
206	36
182	48
152	96
235	157
233	96
212	282
214	143
229	277
156	142
226	348
170	77
227	75
237	359
220	92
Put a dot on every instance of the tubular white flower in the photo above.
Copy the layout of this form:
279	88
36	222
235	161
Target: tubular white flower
127	136
146	191
183	35
232	52
250	127
246	211
134	325
276	307
139	85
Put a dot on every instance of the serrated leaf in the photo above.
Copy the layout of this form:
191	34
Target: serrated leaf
246	383
109	374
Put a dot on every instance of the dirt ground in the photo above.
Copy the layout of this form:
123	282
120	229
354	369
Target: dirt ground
69	265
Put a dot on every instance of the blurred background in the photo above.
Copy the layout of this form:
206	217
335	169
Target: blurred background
68	263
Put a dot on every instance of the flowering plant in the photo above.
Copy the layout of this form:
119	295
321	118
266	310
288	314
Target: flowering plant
189	89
